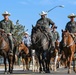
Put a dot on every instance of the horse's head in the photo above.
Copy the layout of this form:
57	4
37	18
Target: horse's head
34	34
23	47
66	38
4	45
57	43
39	38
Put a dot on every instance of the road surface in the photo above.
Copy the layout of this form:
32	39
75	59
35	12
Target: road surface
19	71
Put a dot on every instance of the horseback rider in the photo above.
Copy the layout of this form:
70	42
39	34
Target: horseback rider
7	26
26	39
45	23
56	35
71	26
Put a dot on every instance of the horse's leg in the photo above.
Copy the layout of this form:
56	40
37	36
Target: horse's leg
37	64
5	65
27	63
10	60
47	65
40	62
55	63
66	61
44	62
69	63
74	66
33	63
23	61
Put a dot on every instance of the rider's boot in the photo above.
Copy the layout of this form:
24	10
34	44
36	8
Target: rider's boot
11	45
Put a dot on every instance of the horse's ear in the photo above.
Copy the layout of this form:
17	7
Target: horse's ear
62	30
21	42
32	26
67	31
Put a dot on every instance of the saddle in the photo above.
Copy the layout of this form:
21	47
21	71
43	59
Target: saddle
4	35
74	37
44	31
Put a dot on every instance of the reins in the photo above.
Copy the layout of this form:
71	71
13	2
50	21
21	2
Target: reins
71	43
40	38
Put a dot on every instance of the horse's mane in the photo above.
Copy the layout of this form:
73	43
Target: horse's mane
69	38
39	38
67	33
4	44
23	47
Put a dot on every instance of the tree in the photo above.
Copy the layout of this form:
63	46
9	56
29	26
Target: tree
19	30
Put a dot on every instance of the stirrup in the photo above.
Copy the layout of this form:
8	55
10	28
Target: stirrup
10	52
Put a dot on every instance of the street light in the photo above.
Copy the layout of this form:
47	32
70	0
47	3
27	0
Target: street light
62	6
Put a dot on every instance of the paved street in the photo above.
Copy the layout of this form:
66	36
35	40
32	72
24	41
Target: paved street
18	71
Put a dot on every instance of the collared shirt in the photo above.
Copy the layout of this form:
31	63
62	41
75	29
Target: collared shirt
55	35
7	26
71	27
27	40
45	22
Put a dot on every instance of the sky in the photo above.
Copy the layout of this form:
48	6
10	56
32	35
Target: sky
27	11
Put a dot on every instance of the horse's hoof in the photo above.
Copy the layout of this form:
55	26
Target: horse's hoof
55	70
11	72
42	72
8	73
23	69
5	72
65	67
74	70
47	71
69	71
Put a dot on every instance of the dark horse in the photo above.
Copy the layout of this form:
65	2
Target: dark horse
68	48
41	45
4	51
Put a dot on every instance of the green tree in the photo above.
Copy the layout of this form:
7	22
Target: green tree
19	30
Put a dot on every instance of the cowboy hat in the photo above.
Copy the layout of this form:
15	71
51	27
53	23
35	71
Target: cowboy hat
71	15
6	13
43	13
26	33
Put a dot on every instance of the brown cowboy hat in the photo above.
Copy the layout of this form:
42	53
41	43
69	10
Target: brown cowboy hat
71	15
6	13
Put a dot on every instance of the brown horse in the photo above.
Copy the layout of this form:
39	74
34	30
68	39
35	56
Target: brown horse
24	52
55	56
68	48
4	51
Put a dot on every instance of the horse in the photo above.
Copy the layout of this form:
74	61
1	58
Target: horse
35	64
55	57
41	45
26	58
68	48
4	51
